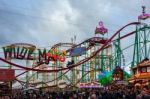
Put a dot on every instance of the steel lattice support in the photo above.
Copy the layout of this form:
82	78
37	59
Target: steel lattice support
117	52
141	48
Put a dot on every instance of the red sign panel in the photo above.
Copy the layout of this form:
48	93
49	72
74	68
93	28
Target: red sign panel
7	74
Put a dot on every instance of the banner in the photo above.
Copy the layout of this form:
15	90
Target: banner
78	51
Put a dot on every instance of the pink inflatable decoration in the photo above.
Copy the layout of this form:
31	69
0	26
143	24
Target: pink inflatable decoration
101	29
144	15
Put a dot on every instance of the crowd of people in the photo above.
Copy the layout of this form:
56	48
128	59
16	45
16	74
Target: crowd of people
123	92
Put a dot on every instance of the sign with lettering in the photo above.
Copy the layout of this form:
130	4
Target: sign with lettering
43	56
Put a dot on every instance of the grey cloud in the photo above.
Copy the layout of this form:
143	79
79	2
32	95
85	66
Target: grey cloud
46	22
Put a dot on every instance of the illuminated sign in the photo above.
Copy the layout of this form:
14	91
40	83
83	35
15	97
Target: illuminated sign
43	56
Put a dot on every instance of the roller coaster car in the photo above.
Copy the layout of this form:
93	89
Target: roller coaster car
70	63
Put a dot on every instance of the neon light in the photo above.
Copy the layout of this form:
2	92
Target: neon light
26	53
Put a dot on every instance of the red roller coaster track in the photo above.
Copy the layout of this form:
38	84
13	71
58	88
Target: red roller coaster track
74	65
82	61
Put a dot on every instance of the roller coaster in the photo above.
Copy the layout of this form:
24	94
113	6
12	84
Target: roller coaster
76	63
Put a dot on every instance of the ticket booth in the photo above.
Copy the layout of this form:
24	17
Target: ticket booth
117	74
6	78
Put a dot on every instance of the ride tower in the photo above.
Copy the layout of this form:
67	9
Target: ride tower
142	35
104	58
117	61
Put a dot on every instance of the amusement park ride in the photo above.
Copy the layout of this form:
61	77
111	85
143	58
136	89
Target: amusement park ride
70	63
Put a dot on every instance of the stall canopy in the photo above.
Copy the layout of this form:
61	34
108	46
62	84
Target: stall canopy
106	77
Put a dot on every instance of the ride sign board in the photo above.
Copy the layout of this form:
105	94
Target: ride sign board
43	56
7	75
78	51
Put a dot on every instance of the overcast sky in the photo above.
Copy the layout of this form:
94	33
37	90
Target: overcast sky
47	22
